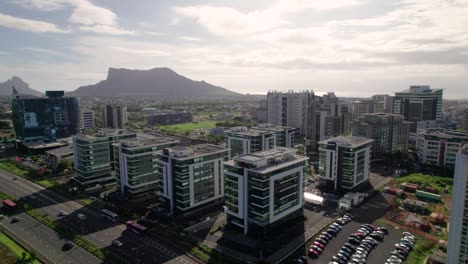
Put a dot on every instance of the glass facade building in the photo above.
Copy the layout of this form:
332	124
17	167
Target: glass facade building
241	140
344	161
45	118
285	136
137	167
191	177
263	188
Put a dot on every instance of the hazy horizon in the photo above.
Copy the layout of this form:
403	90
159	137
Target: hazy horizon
358	47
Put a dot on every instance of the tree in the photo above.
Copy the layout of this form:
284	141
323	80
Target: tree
64	165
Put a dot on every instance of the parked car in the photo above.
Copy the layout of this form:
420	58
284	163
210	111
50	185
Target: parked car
117	243
320	245
314	253
322	241
15	220
67	246
81	217
62	213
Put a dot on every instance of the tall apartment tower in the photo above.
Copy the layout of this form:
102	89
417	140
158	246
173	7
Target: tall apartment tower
136	166
419	103
45	118
344	161
389	132
86	118
263	188
457	251
115	116
288	108
191	177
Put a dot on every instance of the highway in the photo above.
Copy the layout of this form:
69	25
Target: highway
95	228
45	241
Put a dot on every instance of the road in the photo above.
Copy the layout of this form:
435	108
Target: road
46	241
95	228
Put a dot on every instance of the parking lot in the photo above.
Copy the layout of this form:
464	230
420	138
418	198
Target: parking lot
369	212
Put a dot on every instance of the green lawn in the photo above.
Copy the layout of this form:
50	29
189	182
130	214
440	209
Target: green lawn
15	248
45	183
11	167
420	251
439	183
188	127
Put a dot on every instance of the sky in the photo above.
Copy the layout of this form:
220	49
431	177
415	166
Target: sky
351	47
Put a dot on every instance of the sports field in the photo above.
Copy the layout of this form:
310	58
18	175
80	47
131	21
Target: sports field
188	127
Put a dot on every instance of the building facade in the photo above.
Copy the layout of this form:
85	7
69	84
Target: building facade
136	164
92	160
457	251
465	119
263	188
440	146
241	140
191	177
114	116
86	118
288	108
45	118
285	136
366	107
389	131
419	103
344	162
170	118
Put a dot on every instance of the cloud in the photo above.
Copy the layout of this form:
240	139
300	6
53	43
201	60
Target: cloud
141	51
3	53
189	38
30	25
85	15
44	51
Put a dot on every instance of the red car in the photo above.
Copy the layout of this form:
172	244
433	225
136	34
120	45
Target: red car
319	245
359	234
313	252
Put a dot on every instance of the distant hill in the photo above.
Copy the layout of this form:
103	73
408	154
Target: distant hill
160	82
21	86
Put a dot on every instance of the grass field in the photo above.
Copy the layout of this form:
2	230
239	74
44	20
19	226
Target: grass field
16	249
11	167
188	127
439	183
420	251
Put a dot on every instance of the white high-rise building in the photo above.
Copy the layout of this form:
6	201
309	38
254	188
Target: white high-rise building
457	251
86	118
289	108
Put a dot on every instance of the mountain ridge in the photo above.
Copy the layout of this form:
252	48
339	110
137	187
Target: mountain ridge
6	88
162	82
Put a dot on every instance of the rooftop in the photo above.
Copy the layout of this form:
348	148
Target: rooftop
61	151
270	127
244	131
262	155
443	133
195	150
347	141
138	142
421	89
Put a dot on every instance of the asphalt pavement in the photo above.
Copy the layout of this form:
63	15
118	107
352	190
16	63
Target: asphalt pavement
46	241
95	228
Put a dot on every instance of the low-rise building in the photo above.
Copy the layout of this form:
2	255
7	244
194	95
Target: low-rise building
136	165
263	189
440	146
344	161
53	157
191	177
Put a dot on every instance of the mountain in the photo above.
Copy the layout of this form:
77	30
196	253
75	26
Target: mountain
161	82
21	86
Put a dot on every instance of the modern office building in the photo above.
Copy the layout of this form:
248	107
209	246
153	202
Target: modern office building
457	251
389	131
45	118
241	140
137	166
387	101
419	103
263	189
191	178
115	116
367	106
92	161
440	146
465	119
344	161
170	118
289	108
285	136
86	118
